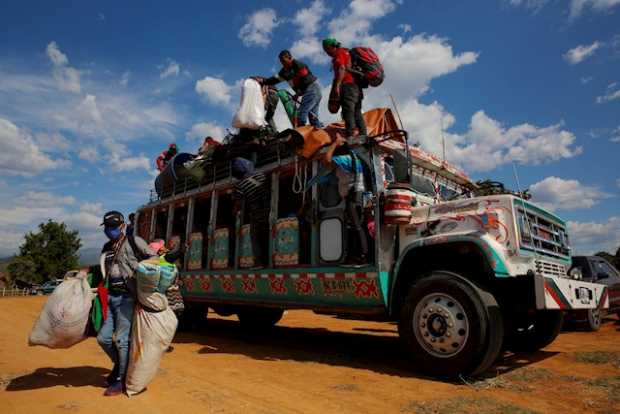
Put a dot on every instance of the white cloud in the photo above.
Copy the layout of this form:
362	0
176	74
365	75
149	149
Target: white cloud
215	90
89	153
586	79
67	78
534	5
489	144
309	48
20	154
308	20
406	28
173	69
615	135
258	28
610	95
555	193
125	78
205	129
578	6
580	53
353	24
52	142
122	164
591	237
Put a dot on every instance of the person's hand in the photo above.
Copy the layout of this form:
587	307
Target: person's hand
258	79
340	140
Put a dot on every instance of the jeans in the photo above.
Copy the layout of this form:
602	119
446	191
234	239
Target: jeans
309	107
117	324
351	96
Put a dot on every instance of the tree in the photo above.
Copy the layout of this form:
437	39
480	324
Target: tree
46	254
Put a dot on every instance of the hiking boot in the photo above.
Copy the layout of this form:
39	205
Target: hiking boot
112	376
114	389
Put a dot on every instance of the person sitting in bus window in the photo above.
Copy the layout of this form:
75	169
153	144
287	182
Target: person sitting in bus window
253	188
208	147
348	169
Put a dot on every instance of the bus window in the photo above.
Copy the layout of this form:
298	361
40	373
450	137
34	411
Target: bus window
161	223
223	256
143	226
179	222
198	238
422	185
292	229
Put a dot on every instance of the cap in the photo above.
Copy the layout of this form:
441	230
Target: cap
173	145
113	219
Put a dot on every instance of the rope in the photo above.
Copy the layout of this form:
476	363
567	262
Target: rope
300	179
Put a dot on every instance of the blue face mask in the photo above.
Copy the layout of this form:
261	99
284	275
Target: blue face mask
113	233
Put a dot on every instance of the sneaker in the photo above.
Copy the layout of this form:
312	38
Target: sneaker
112	376
114	389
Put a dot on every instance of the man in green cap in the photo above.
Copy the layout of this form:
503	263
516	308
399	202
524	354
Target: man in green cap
345	88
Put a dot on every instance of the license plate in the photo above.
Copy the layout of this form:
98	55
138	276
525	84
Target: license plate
584	295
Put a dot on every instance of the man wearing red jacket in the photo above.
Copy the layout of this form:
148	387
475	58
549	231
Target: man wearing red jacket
165	157
345	88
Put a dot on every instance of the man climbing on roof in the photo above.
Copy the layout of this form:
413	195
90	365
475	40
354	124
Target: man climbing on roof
304	83
346	89
165	157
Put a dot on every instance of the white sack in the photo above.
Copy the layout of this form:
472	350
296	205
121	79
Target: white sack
251	112
64	318
151	335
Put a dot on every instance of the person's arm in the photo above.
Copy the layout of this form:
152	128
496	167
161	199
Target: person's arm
274	80
144	248
327	159
160	162
338	78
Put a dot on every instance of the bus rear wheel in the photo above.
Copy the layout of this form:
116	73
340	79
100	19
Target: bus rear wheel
257	319
194	317
448	329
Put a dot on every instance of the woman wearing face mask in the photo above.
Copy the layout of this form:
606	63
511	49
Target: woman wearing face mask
119	257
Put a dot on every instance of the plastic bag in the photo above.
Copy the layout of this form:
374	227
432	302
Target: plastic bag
251	112
151	335
148	277
64	319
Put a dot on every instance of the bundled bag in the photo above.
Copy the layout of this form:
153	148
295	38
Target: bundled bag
151	335
251	112
153	278
366	64
64	319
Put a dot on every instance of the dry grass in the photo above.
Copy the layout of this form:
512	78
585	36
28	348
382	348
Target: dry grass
599	358
465	405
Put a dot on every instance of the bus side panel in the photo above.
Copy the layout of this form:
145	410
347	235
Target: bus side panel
348	288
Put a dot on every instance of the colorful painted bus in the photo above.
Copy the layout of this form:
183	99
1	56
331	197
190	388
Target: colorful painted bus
463	276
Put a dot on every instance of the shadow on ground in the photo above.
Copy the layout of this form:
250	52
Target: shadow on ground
380	353
52	377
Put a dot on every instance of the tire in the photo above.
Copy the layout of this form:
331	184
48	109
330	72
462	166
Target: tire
258	319
594	319
447	328
535	333
194	317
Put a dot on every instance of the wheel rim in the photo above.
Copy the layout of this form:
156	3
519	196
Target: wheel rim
441	325
596	317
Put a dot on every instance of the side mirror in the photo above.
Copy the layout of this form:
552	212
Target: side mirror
602	275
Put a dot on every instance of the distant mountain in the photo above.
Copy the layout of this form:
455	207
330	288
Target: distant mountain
89	255
4	262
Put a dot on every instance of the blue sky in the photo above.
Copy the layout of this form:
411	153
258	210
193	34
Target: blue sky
91	93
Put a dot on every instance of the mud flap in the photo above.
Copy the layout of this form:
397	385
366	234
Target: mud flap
559	293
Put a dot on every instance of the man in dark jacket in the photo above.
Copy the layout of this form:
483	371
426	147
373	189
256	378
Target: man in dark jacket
345	88
304	83
119	261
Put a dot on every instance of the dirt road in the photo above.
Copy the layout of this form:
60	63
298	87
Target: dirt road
307	364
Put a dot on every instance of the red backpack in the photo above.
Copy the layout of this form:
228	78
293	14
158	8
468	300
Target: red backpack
365	63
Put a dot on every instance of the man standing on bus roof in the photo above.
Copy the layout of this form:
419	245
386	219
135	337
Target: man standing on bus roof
165	157
345	88
253	189
304	83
